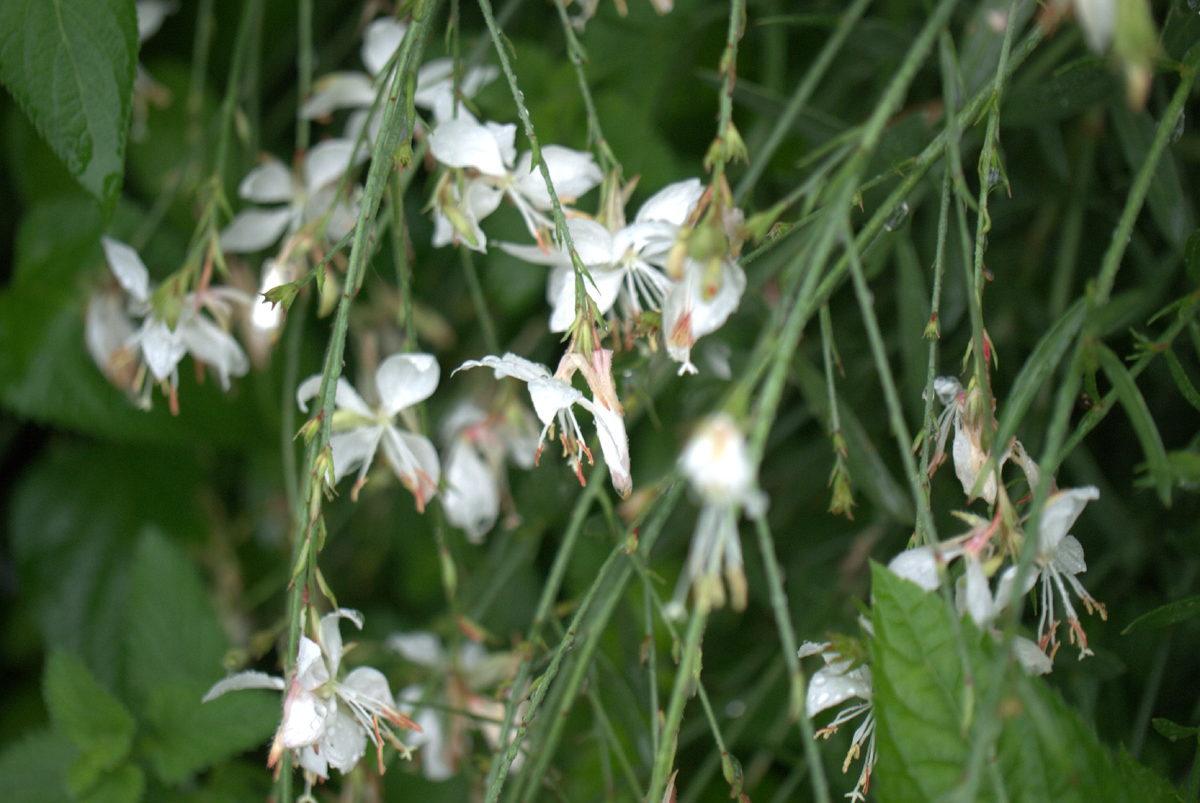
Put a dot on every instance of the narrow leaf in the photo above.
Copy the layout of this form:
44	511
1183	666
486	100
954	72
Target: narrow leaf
1173	730
1139	416
1037	369
70	65
1166	615
1186	388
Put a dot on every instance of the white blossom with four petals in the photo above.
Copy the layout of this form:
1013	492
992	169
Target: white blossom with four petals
401	381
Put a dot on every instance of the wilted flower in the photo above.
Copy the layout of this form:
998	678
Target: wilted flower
833	684
553	397
401	381
719	470
327	722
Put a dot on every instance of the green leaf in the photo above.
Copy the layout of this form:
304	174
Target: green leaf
188	736
1173	730
1170	207
1191	251
74	520
171	632
1139	416
1142	783
70	65
1038	368
34	768
929	719
90	715
125	784
1165	616
1186	388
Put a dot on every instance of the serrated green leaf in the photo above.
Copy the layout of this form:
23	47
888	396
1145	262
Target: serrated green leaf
188	736
1143	423
33	769
171	632
1165	616
70	64
1142	783
125	784
929	719
1173	730
1038	368
90	716
74	520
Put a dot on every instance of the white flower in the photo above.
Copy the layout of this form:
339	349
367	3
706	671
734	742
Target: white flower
719	470
401	381
302	201
834	684
626	264
553	398
113	340
1060	555
487	151
476	478
699	304
327	722
463	675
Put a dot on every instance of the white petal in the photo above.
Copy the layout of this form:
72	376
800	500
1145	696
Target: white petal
716	462
128	267
314	762
269	183
614	444
367	685
310	668
331	635
551	395
463	142
1096	18
106	327
603	289
593	242
354	450
711	313
419	647
406	379
947	389
572	173
829	687
326	163
150	16
673	203
919	566
1069	556
472	496
303	720
162	348
254	229
344	741
976	594
213	346
339	90
534	255
244	680
510	365
415	462
1059	515
1031	657
345	396
381	39
812	648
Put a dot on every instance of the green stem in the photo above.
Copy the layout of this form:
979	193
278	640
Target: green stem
304	67
685	679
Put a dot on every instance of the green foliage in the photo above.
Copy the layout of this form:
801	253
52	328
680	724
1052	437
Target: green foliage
92	719
70	64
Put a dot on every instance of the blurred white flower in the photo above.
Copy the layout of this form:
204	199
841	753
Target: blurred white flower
719	471
401	381
115	342
699	304
327	722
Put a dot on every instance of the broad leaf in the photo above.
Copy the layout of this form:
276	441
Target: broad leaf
95	721
34	768
74	521
70	64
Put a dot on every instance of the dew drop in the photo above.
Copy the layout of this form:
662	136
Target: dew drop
898	214
1177	131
